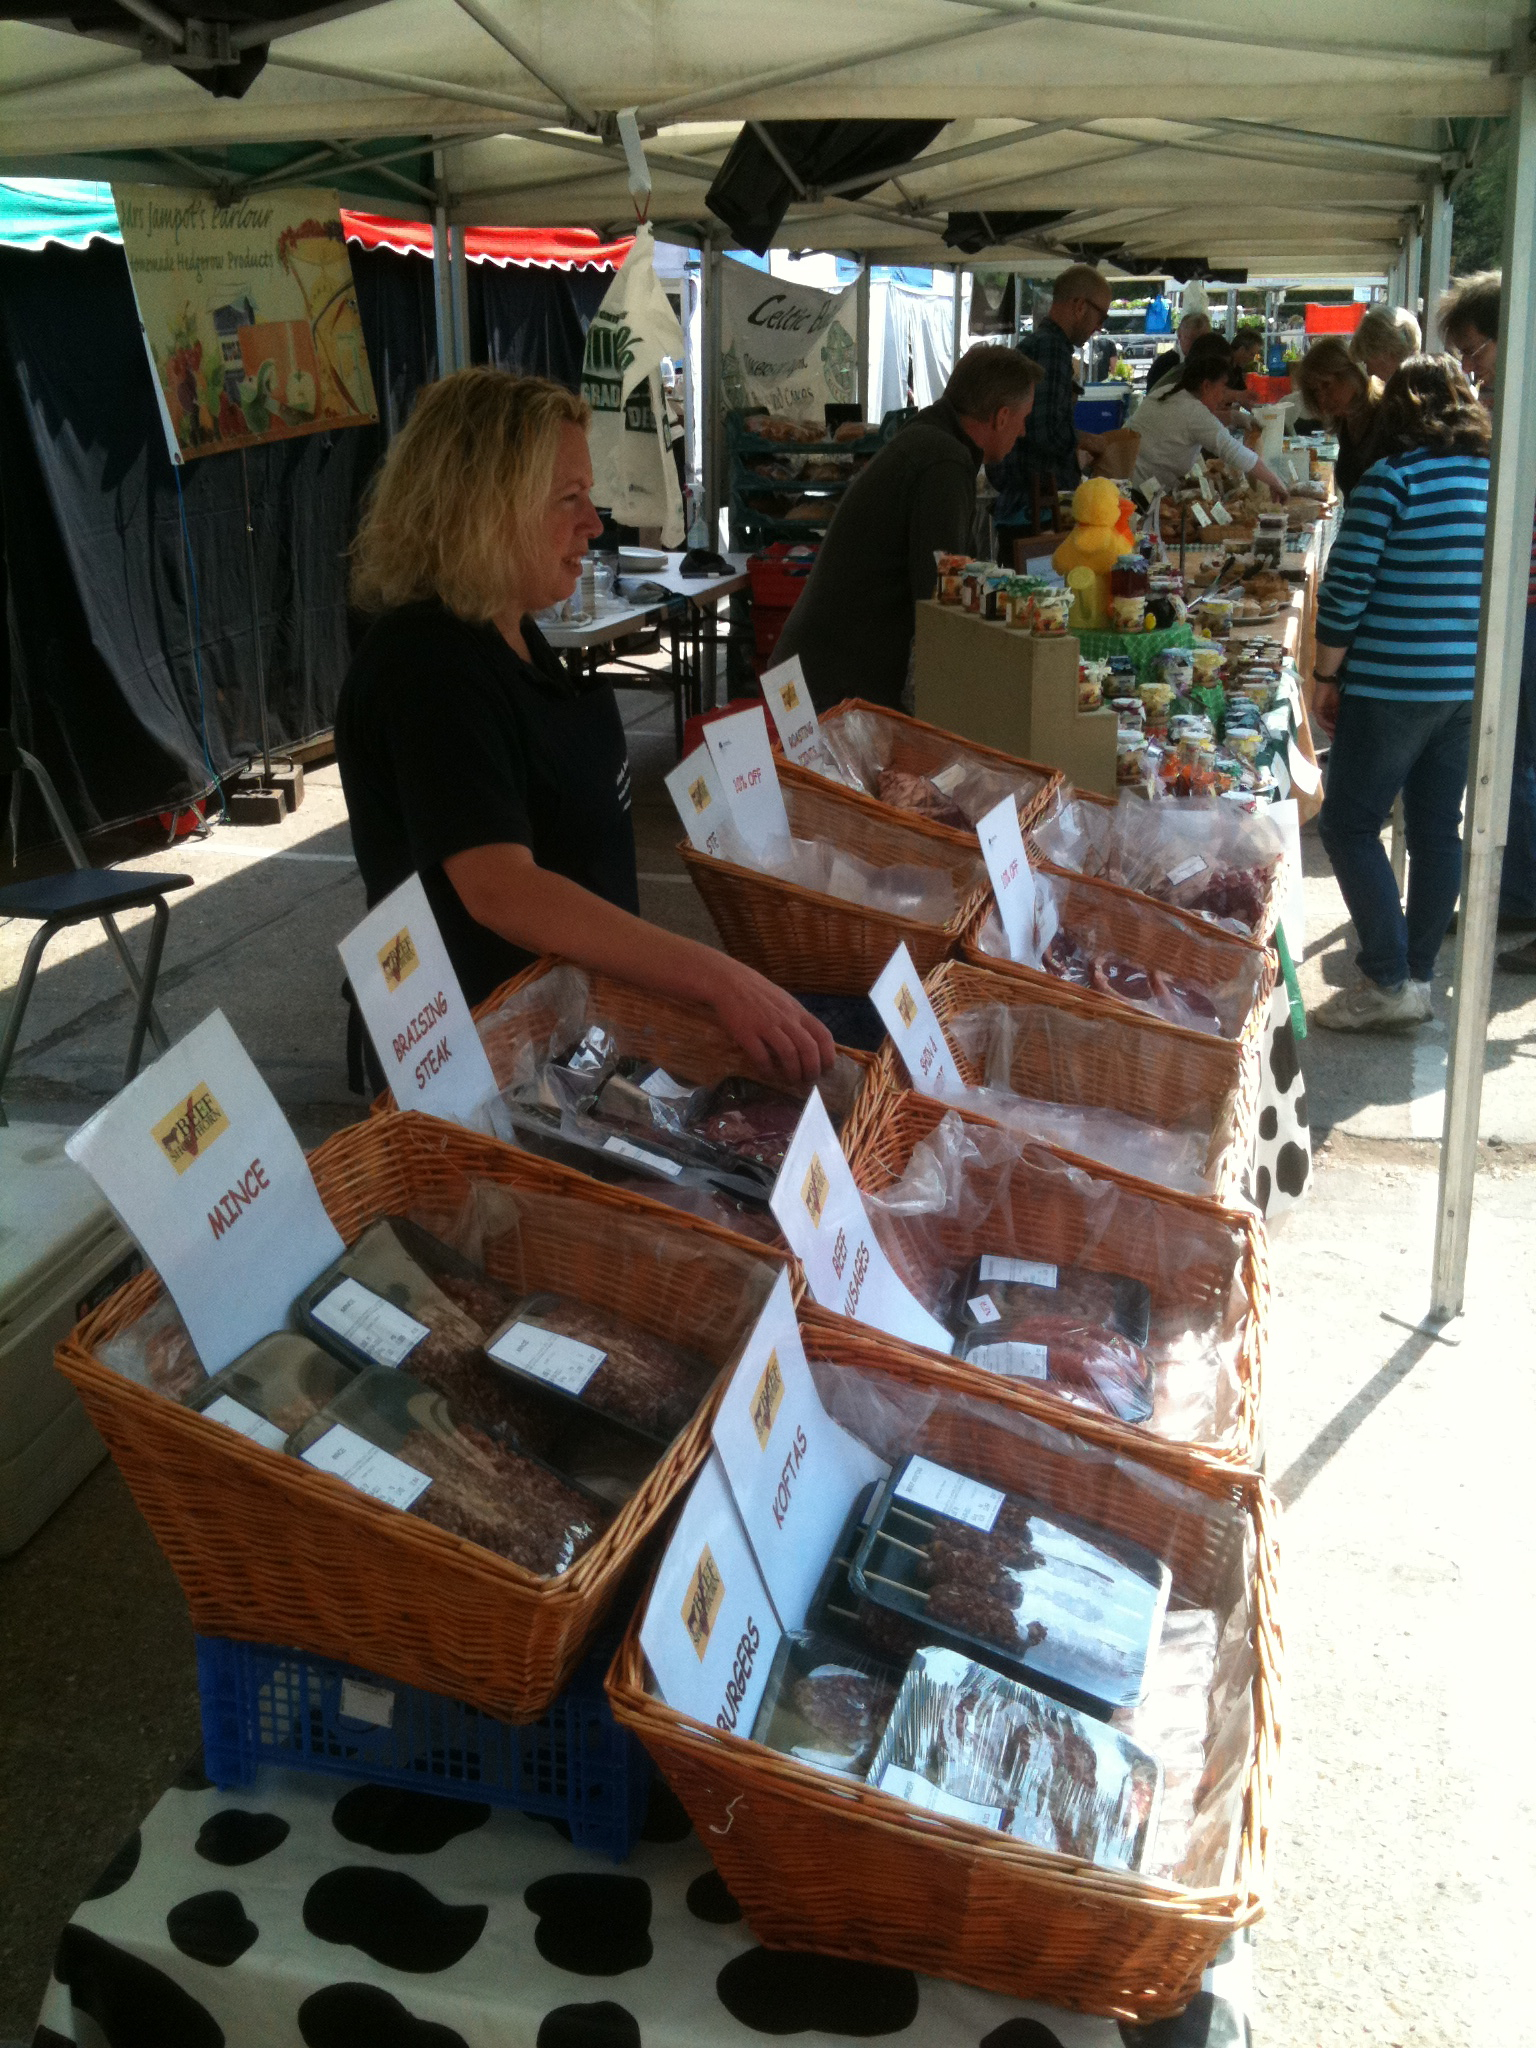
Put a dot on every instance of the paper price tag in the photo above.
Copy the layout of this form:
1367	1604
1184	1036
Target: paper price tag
1186	870
794	715
695	788
928	1485
1199	514
1026	1272
710	1630
373	1705
1014	1361
559	1361
918	1791
1013	882
656	1161
917	1034
377	1328
198	1161
822	1215
1220	513
245	1422
794	1473
663	1088
415	1010
983	1309
346	1455
744	763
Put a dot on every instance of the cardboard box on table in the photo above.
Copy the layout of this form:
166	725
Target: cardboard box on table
1011	690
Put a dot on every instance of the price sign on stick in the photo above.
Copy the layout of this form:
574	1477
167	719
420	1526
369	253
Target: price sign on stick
415	1011
821	1213
794	715
198	1160
917	1034
744	763
793	1471
1013	881
695	788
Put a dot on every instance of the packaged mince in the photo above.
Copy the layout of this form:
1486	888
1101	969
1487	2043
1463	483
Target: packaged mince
273	1389
1074	1609
964	1742
399	1442
157	1352
608	1365
826	1704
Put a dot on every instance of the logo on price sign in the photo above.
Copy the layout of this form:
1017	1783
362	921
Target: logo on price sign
698	795
191	1127
399	960
906	1006
767	1399
701	1603
814	1190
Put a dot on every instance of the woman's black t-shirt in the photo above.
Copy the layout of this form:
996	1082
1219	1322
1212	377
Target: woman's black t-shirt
447	740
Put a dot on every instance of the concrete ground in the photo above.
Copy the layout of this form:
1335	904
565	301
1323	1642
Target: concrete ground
1404	1858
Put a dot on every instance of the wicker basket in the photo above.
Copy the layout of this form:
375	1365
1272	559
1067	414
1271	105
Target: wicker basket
923	749
1226	1251
269	1550
825	945
825	1864
1118	1060
1148	932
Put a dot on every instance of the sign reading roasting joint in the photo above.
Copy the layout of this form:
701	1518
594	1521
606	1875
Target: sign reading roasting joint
249	315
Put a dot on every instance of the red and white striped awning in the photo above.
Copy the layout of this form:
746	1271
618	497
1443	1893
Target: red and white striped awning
545	248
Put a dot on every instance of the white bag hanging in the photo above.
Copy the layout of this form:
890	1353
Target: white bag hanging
634	476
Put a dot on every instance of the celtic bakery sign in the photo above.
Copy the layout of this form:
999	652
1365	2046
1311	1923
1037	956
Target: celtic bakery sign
786	347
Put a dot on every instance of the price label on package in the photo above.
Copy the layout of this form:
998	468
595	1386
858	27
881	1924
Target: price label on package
905	1011
744	762
694	787
794	715
197	1159
821	1213
1026	929
415	1011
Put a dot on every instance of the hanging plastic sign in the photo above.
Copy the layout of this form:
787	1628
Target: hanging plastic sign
821	1213
743	761
794	715
710	1631
415	1010
794	1472
197	1159
695	788
917	1034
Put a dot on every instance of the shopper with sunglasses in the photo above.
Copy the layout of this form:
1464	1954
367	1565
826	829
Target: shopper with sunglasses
1045	460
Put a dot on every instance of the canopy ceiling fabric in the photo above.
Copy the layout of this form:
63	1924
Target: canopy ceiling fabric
1294	140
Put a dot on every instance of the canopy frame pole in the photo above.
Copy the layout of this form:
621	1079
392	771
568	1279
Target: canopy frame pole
861	335
1501	634
709	378
442	280
955	325
458	288
1415	268
1437	255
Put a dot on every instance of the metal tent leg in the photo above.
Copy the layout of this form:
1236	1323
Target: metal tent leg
1512	494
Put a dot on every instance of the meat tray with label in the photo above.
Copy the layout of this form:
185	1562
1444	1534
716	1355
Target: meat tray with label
826	1704
1078	1330
273	1389
1070	1608
596	1363
836	1610
402	1444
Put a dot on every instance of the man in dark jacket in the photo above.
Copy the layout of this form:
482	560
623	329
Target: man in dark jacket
852	627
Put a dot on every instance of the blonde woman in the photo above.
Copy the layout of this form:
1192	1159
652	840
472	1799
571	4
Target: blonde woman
1386	337
1336	390
467	753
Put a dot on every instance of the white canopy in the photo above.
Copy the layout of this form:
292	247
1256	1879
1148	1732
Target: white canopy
1295	144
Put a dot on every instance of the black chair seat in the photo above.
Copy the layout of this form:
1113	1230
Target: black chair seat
85	892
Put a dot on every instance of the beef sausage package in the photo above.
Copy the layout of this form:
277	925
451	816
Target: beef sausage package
397	1441
1078	1331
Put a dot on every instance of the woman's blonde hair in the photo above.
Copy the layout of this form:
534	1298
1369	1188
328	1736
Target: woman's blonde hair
1329	356
1386	331
450	511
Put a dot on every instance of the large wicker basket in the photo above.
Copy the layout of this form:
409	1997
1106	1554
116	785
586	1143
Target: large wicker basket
825	945
1149	933
269	1550
1105	1059
1224	1255
922	749
826	1864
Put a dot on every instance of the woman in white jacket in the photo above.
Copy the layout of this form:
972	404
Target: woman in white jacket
1178	423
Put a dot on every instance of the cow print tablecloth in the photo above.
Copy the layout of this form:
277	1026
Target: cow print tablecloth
314	1913
1282	1163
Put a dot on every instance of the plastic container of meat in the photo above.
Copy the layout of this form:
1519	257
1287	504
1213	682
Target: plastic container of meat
274	1388
1070	1608
968	1743
996	1286
395	1440
394	1288
826	1703
1078	1331
592	1360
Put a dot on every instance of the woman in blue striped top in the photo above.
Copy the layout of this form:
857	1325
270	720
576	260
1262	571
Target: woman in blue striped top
1396	653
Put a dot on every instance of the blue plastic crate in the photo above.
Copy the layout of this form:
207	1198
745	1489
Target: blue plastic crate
262	1705
1098	415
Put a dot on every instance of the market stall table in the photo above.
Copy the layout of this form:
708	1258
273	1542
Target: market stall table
317	1910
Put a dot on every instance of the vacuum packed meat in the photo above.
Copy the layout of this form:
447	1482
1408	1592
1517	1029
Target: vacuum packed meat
1149	988
906	791
614	1367
506	1503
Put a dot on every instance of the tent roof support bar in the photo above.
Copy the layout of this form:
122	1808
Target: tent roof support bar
421	88
478	12
1035	131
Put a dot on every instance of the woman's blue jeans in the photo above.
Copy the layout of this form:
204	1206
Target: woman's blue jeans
1379	748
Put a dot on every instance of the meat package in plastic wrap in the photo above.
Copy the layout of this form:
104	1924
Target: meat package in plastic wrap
397	1441
157	1352
1078	1331
274	1388
862	749
964	1741
826	1704
590	1356
1072	1609
1207	855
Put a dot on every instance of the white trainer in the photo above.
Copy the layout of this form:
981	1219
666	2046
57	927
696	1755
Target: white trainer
1369	1007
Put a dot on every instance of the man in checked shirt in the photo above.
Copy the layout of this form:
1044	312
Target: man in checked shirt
1045	459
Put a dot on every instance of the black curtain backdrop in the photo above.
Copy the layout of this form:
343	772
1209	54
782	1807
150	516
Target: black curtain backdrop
100	676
